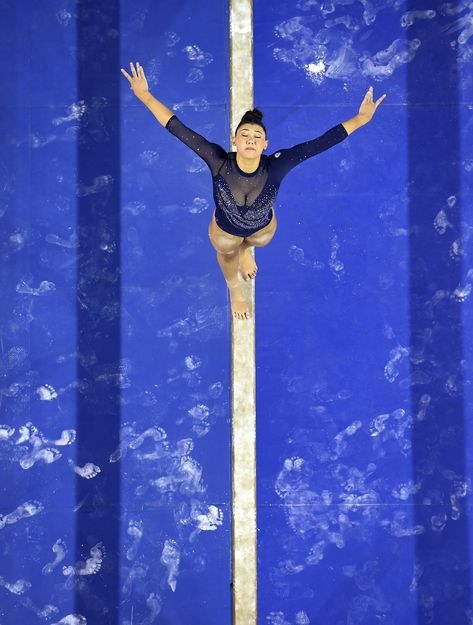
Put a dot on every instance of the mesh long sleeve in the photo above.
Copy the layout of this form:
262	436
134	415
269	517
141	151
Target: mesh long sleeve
285	160
212	153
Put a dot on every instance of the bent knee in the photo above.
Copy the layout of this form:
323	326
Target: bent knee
260	240
224	245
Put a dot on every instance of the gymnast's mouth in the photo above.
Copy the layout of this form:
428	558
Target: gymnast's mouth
251	149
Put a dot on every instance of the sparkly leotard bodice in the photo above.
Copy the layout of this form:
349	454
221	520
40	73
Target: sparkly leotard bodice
244	202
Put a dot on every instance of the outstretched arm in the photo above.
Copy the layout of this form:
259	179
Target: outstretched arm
139	86
366	112
212	153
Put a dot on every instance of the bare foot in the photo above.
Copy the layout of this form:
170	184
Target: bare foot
240	307
247	264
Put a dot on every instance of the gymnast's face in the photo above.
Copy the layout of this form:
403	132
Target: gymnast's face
250	141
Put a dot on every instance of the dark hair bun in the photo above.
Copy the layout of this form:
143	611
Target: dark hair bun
252	117
255	116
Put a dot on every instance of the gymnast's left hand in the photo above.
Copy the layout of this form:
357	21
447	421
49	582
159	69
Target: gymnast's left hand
368	107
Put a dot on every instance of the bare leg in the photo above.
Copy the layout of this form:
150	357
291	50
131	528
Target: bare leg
229	266
247	263
260	238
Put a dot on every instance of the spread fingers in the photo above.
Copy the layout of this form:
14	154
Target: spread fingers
126	74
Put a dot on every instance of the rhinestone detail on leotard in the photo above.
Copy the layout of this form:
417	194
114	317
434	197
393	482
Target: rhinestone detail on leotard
247	217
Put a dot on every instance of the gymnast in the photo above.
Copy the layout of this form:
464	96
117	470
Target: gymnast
245	182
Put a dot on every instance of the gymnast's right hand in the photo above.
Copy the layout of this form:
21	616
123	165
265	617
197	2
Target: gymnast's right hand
138	82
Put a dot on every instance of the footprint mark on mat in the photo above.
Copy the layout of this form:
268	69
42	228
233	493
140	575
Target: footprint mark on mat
24	511
44	287
29	433
138	571
17	588
155	433
171	557
48	455
90	567
154	603
46	612
211	520
135	530
6	432
72	619
462	293
88	471
396	356
335	264
59	549
46	392
297	254
67	438
127	435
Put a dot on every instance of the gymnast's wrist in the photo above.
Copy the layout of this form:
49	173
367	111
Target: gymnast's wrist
145	97
363	119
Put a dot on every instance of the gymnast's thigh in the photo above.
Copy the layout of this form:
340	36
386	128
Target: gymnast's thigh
223	241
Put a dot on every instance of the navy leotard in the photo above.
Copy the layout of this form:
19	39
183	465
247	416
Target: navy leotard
244	202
